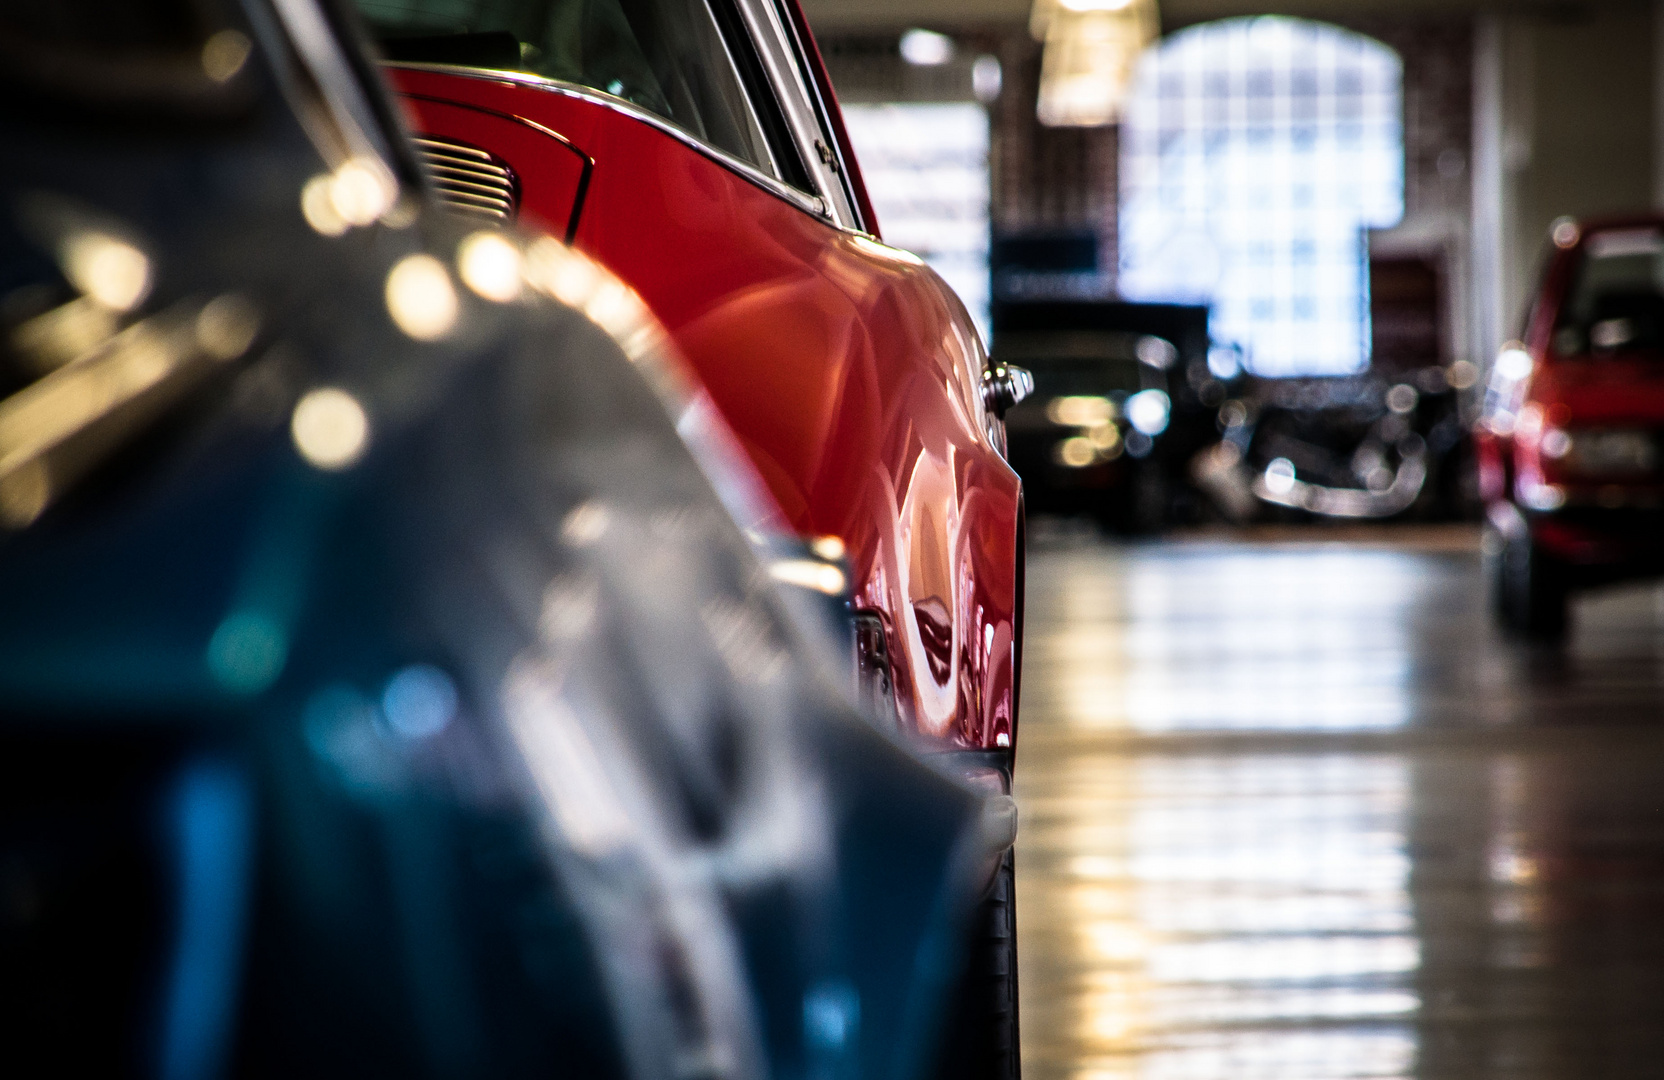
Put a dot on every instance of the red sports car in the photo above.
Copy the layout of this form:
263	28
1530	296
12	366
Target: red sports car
695	148
1571	441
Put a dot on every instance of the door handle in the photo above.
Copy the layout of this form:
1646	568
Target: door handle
1004	385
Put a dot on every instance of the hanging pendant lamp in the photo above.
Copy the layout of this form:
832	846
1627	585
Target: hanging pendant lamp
1091	50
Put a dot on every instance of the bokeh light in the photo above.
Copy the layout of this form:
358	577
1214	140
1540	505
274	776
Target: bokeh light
330	428
421	299
111	271
490	265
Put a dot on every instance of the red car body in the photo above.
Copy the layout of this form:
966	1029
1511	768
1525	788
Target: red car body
1571	439
849	371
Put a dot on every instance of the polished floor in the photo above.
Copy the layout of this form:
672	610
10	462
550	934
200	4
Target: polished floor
1291	810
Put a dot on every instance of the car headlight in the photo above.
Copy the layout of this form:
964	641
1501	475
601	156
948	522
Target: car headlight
1604	451
1147	411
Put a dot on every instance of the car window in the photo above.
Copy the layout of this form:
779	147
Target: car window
670	57
1616	298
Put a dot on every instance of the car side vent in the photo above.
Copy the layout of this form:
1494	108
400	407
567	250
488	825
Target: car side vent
470	180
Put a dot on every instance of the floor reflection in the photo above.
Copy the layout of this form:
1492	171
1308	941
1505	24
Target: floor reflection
1292	812
1219	638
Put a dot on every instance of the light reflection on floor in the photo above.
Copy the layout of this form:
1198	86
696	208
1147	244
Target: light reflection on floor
1292	812
1214	638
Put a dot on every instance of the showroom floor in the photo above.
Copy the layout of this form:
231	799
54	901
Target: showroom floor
1292	811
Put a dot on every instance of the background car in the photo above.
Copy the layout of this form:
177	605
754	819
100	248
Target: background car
385	688
1370	446
1568	441
1123	399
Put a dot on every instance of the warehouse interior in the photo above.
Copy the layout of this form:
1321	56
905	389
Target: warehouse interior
832	539
1292	806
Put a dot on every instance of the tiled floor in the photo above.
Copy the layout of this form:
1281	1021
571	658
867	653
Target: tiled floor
1292	811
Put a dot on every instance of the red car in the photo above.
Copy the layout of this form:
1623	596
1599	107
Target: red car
697	151
1569	442
695	148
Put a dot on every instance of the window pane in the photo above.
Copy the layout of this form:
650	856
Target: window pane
1616	301
1255	152
667	56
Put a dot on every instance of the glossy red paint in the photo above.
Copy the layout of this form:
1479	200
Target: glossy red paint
1601	521
849	371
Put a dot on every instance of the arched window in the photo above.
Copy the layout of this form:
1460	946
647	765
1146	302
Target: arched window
1254	154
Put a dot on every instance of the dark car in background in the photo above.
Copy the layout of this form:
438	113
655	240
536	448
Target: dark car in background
386	685
1369	446
1571	456
1123	398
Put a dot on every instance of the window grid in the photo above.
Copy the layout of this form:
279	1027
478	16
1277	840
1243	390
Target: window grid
1254	154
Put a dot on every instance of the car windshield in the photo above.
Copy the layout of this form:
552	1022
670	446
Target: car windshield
1616	299
667	56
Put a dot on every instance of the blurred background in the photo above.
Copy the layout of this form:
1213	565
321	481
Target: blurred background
1329	767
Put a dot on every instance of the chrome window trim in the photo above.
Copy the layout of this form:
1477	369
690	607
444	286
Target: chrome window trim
779	54
822	111
774	165
802	200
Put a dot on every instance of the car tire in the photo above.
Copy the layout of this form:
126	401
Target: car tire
981	1037
1150	501
1491	548
1136	507
1532	592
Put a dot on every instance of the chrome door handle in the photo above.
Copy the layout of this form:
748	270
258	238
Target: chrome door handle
1004	385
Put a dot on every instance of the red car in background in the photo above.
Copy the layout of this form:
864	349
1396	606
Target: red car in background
695	148
1571	439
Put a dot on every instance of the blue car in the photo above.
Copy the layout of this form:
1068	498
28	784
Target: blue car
388	685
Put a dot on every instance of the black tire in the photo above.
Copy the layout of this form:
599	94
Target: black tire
980	1041
1138	506
1496	593
1532	591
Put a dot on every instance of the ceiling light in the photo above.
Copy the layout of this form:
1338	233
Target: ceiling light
986	79
1092	49
926	48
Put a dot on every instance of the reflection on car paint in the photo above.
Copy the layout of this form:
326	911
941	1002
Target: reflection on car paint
839	361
